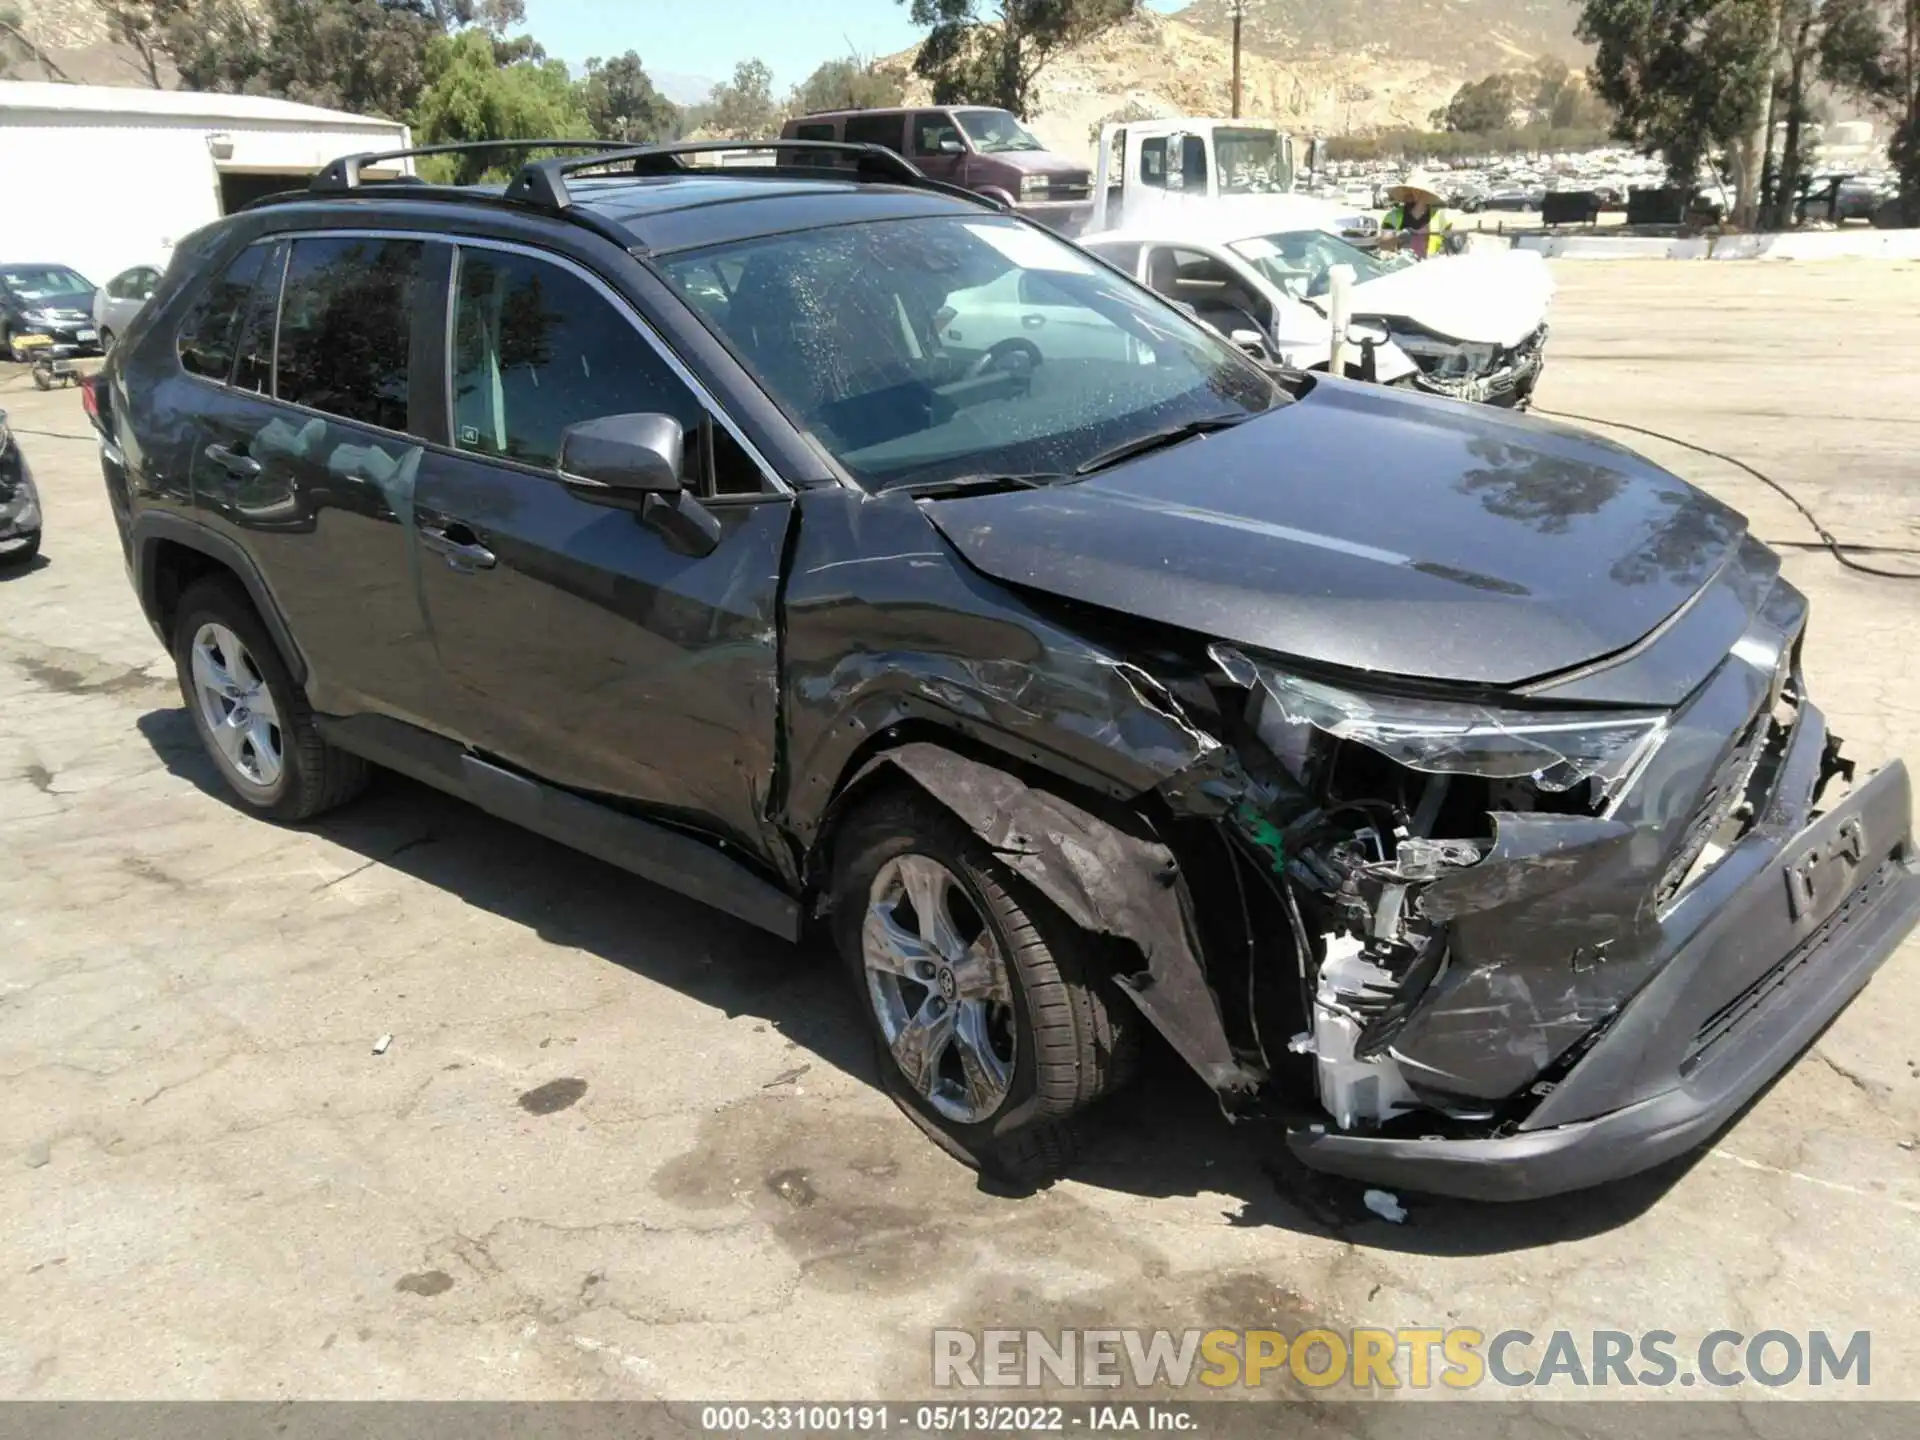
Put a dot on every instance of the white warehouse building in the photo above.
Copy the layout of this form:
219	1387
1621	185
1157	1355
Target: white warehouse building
103	178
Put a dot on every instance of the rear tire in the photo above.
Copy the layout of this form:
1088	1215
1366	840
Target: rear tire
253	720
1048	1014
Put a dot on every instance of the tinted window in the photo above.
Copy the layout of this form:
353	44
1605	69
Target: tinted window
345	320
208	333
537	349
875	130
931	130
813	132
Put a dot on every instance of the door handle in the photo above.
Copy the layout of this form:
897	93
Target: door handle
1033	322
460	546
241	467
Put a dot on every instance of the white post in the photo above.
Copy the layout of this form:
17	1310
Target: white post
1339	311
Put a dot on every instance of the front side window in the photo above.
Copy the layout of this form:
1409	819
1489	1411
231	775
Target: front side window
928	349
346	320
208	333
1298	261
932	131
993	131
537	349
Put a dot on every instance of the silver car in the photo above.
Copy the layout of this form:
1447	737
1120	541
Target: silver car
120	299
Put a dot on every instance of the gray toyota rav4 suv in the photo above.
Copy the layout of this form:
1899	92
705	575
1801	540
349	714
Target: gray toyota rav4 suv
1442	782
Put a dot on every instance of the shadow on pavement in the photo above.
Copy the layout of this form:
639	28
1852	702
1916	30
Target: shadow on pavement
1165	1136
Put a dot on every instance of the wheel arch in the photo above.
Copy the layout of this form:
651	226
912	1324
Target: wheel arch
1096	858
171	553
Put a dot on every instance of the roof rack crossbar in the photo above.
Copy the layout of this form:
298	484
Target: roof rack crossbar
344	173
543	183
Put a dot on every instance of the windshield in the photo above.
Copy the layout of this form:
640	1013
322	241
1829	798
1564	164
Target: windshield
927	350
45	282
1252	162
995	130
1297	261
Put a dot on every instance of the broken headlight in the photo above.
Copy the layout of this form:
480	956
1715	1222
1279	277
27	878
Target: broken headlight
1556	749
1446	359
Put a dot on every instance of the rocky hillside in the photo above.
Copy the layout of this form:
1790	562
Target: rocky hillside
1161	65
1469	38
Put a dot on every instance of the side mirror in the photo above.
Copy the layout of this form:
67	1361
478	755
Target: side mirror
951	146
618	459
633	462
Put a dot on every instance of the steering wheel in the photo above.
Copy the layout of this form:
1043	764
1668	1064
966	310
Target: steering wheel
1011	357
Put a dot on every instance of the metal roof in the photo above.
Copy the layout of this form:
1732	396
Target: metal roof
132	103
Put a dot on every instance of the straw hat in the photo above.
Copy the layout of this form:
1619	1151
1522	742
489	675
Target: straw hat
1416	186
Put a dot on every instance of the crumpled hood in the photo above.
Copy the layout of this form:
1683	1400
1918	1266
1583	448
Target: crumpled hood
1372	530
1498	297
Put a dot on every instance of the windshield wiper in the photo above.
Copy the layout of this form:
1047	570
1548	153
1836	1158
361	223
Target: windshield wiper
1160	440
978	484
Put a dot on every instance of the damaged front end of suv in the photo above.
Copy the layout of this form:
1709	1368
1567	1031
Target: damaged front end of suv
1476	925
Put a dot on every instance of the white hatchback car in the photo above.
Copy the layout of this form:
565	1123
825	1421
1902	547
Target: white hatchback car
120	299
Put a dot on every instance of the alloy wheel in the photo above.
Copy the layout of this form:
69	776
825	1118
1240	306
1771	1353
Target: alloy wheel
237	707
937	980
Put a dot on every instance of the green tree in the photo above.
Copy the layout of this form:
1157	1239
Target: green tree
851	84
1872	49
470	96
990	52
621	103
744	107
1684	77
1484	105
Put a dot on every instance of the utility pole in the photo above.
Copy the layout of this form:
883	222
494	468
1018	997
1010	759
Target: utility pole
1238	10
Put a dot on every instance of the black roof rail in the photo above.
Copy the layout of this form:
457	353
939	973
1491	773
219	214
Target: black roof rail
543	183
344	173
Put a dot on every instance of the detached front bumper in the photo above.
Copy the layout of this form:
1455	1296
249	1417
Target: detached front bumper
1792	929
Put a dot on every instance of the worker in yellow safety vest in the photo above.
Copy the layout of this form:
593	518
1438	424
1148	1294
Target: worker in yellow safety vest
1418	221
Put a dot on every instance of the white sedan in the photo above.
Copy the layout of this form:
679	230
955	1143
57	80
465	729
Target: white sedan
1471	327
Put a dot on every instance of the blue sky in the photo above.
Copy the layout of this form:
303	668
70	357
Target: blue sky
708	39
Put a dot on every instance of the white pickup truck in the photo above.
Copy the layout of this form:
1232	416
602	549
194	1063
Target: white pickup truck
1150	171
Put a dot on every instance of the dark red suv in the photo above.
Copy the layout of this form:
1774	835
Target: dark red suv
978	148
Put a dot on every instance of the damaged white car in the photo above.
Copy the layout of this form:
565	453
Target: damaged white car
1470	327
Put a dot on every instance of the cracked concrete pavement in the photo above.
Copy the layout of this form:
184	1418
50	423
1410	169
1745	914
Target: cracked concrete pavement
620	1146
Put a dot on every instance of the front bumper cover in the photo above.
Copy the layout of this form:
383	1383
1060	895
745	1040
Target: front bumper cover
1795	929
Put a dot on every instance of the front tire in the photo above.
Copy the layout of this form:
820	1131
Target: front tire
993	1018
253	720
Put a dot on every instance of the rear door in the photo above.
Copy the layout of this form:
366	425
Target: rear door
579	643
308	457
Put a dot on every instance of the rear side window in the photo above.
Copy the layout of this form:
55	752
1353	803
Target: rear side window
876	130
813	131
346	316
536	349
208	333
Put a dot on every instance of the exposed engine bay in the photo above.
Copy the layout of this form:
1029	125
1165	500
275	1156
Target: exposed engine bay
1379	826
